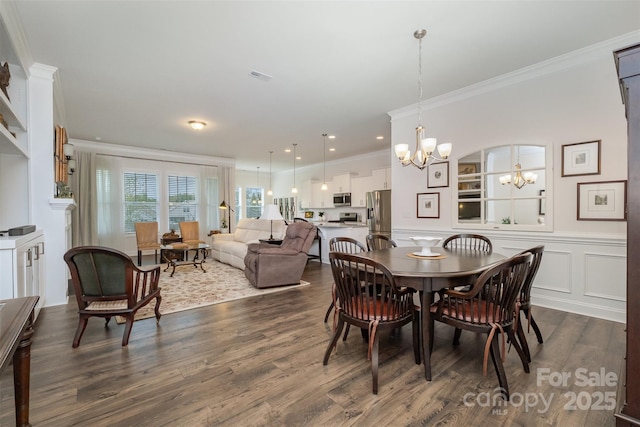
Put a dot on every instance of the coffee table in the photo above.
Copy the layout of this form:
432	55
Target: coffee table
200	248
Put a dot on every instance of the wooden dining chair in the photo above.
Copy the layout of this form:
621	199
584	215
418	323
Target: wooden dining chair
345	245
488	307
379	241
369	299
523	304
474	242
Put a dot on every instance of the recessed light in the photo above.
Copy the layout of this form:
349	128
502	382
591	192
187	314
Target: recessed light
197	125
332	137
379	137
332	149
287	150
298	158
98	138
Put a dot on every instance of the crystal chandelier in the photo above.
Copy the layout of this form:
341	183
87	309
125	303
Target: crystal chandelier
425	147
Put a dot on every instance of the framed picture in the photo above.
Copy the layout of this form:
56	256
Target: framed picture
438	175
467	168
582	158
602	201
428	205
542	203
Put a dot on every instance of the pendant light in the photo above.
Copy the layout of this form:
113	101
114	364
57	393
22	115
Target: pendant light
324	162
270	191
425	147
294	190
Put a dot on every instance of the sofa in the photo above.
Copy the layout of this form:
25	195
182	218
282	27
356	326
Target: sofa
231	248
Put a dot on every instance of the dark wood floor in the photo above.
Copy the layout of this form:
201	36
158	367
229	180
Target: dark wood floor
258	361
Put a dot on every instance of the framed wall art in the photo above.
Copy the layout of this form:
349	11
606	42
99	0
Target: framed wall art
428	205
438	175
582	158
602	201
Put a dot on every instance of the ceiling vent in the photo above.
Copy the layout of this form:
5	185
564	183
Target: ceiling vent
260	76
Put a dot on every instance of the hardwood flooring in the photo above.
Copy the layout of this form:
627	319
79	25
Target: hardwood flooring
258	362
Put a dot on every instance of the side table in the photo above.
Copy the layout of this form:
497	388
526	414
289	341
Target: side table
271	241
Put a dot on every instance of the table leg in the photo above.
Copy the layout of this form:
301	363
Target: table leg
21	375
427	299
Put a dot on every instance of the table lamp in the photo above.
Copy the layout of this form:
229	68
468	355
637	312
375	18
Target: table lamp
272	213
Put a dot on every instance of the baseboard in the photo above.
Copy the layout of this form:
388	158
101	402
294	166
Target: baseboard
582	308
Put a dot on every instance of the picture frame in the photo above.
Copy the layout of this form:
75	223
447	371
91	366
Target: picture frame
582	158
467	168
542	205
438	175
428	205
602	201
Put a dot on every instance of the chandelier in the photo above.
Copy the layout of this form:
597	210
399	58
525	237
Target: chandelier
520	179
425	147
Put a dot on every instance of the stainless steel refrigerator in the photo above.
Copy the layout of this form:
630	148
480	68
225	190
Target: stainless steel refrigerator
379	212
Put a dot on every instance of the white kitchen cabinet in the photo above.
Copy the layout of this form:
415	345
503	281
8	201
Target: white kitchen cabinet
321	199
22	266
305	194
342	183
381	179
359	188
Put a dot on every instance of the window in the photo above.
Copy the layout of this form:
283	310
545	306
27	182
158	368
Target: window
253	202
504	187
183	204
140	199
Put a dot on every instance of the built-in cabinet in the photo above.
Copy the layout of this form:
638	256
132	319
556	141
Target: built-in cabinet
381	179
23	267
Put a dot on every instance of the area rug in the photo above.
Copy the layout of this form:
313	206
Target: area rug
192	288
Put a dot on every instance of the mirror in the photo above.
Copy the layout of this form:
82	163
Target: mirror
503	186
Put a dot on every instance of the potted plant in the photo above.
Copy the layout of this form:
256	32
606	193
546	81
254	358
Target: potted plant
321	215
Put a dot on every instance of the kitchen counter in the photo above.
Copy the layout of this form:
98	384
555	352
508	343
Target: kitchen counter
329	230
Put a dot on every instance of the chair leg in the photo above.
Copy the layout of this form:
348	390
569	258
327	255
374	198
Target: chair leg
82	324
536	329
157	309
139	258
106	321
456	336
326	316
127	330
522	339
374	362
333	342
497	364
516	344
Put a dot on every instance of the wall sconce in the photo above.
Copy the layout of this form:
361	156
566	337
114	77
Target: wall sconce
67	157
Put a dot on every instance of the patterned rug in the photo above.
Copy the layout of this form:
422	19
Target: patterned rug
192	288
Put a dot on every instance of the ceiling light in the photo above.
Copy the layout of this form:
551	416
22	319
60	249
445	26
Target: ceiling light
379	137
294	190
197	125
519	180
270	191
332	137
332	149
324	162
424	152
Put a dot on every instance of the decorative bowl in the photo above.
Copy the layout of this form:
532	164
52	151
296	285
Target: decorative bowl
426	242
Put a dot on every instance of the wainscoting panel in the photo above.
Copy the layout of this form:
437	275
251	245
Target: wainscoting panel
579	273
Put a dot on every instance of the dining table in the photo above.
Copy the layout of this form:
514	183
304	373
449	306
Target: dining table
450	268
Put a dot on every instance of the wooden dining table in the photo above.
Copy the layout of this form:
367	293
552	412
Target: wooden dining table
450	269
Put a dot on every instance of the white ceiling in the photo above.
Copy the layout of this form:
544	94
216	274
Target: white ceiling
134	72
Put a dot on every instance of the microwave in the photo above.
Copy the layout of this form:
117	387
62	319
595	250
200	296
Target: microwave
342	199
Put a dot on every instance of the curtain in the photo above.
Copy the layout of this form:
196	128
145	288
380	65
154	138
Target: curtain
83	183
109	202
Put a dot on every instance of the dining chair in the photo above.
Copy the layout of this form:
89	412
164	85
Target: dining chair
369	299
147	238
346	245
107	283
466	242
379	241
475	242
523	304
488	307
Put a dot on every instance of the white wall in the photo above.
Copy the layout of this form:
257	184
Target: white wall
575	98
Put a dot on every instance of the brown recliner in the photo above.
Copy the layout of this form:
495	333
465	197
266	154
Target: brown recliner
268	265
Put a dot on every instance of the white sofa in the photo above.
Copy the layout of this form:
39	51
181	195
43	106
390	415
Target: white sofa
231	248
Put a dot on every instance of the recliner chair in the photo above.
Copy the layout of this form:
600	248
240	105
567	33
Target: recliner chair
268	265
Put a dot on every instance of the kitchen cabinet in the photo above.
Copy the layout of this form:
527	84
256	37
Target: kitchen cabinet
22	264
381	179
341	183
359	188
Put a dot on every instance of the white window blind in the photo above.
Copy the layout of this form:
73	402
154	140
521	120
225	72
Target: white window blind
183	205
140	199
